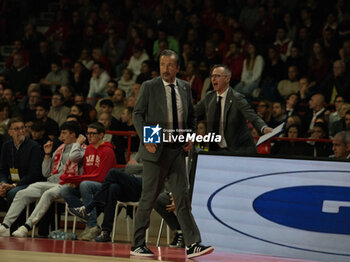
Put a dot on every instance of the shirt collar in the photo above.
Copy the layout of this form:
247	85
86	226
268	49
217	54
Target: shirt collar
319	112
224	94
167	84
17	147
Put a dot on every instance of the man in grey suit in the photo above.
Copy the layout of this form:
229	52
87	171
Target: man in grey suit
165	101
226	112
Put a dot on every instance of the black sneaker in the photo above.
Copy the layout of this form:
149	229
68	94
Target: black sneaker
178	241
103	237
198	250
79	212
141	251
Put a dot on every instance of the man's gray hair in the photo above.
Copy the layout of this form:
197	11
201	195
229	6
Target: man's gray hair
226	69
344	137
168	52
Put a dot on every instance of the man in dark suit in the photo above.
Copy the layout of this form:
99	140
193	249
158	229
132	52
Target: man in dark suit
317	106
336	83
165	101
226	112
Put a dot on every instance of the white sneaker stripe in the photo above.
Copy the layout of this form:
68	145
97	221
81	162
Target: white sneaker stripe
138	250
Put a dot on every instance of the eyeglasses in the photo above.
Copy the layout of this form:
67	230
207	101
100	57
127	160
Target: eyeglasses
339	101
217	76
91	133
262	105
18	128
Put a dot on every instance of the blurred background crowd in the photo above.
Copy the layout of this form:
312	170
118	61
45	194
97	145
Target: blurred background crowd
88	59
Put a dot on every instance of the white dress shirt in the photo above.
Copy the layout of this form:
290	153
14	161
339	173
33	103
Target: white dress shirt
179	105
223	143
316	114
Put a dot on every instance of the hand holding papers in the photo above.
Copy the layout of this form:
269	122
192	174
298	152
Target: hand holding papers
276	131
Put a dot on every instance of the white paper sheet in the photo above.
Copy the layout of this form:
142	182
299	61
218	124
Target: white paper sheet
275	132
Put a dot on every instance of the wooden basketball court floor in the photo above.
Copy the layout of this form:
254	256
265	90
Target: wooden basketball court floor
47	250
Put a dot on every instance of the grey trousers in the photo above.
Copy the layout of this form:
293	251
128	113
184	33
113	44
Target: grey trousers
45	191
171	165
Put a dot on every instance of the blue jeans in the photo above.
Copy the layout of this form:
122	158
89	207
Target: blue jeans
10	195
247	89
86	191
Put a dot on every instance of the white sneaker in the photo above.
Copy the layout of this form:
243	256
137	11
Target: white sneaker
4	232
82	234
91	233
20	232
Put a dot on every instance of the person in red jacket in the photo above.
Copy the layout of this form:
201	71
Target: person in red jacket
99	158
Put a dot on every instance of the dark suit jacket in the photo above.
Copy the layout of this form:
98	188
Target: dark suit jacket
151	109
341	83
306	119
337	127
237	111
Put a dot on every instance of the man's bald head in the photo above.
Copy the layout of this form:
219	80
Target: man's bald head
317	102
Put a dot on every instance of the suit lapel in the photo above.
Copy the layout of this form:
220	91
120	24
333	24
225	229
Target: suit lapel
228	104
211	112
161	98
182	92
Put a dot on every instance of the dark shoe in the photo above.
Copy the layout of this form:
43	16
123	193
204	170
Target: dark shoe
178	241
198	250
79	212
141	251
103	237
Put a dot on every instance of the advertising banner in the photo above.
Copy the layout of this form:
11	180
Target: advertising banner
272	206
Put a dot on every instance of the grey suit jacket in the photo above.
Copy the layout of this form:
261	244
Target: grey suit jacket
236	112
151	109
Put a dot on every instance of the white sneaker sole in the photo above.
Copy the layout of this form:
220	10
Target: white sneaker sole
204	252
140	254
5	233
14	234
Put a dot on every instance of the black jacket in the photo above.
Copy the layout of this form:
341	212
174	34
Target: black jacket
27	159
341	83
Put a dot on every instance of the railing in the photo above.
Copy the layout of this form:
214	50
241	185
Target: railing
129	134
265	148
302	139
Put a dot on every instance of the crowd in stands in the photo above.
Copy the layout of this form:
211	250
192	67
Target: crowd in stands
291	60
277	52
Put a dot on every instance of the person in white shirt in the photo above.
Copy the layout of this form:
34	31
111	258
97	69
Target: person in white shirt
98	82
139	55
126	81
252	69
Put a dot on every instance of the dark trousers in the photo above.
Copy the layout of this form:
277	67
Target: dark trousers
117	186
47	222
169	217
171	165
